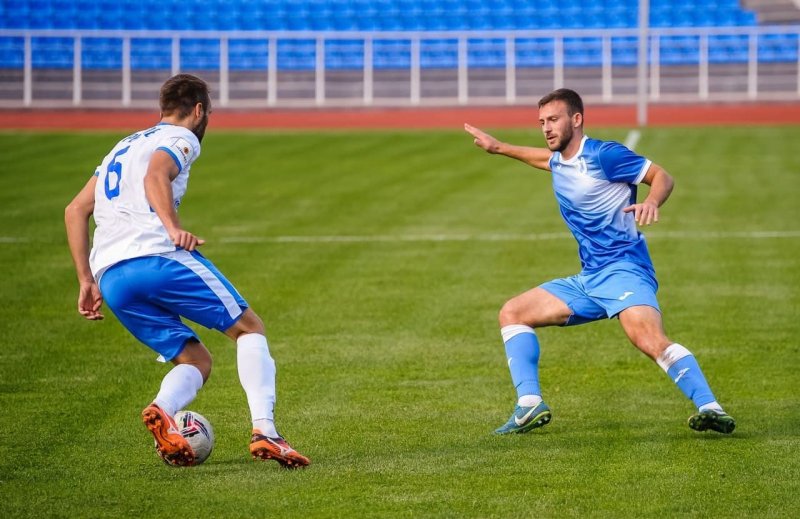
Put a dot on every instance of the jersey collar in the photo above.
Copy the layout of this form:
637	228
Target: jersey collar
576	156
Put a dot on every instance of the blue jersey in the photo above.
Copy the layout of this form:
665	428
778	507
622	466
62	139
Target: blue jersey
592	188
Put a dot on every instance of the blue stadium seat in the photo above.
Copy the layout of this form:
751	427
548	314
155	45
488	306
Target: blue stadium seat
391	54
583	52
151	54
344	20
728	49
439	53
12	53
102	53
746	19
486	53
297	54
16	16
197	54
775	48
624	50
248	54
344	54
534	52
52	52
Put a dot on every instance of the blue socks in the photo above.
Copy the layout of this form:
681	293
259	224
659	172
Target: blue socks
522	351
683	369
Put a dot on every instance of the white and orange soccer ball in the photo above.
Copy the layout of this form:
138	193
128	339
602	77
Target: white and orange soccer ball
198	432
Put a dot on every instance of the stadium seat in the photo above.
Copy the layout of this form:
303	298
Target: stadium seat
534	52
248	54
12	52
486	53
390	54
102	53
583	52
52	52
777	48
151	54
439	53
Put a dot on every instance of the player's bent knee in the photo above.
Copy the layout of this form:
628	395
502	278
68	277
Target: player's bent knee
250	322
651	346
510	314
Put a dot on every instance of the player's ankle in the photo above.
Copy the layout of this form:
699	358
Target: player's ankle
529	400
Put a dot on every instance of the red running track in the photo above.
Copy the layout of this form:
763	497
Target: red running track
408	118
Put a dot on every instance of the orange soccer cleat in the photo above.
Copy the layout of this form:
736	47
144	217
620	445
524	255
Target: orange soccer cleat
170	444
266	448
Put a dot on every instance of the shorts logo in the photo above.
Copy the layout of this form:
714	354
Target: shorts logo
624	296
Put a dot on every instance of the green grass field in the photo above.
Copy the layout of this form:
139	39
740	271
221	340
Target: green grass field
391	371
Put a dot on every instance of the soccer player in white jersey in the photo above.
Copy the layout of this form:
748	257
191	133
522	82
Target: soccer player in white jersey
595	185
146	267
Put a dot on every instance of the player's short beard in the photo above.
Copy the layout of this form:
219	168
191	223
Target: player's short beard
563	141
200	130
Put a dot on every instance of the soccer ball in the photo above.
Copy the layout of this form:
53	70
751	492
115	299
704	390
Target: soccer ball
198	432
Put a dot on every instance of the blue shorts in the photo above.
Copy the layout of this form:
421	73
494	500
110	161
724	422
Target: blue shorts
605	293
150	294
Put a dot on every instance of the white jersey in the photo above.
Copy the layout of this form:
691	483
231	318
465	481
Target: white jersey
127	227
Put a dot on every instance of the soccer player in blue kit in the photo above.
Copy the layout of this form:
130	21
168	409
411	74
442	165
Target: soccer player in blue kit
595	185
146	267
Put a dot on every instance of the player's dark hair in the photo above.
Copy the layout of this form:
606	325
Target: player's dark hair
570	97
181	93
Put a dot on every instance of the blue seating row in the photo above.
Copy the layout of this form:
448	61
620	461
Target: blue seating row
106	53
340	15
381	15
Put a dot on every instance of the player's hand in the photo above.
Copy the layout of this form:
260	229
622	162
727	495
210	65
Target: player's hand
89	301
186	240
483	140
644	213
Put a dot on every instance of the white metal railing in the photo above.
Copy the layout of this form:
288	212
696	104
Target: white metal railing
16	90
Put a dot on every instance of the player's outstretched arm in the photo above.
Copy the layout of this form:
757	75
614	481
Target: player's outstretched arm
158	188
661	184
76	220
536	157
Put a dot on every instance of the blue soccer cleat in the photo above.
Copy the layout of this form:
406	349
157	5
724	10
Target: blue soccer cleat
715	420
526	419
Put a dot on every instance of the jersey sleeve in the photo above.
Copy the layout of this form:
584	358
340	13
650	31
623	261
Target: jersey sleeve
183	150
620	164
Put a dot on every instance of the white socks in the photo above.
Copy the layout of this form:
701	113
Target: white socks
711	406
529	400
512	330
257	376
179	388
672	354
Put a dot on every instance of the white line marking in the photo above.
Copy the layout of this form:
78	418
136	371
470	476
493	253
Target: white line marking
396	238
697	235
632	139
